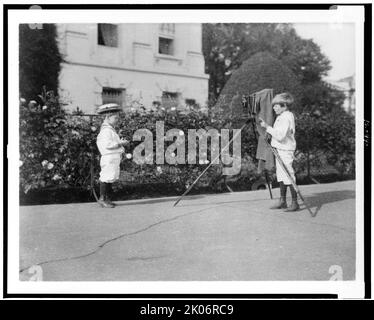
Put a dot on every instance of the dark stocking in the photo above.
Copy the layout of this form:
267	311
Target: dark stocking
283	191
293	193
103	190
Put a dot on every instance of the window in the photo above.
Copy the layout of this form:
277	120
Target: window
170	99
166	38
167	28
156	104
111	95
165	46
107	35
190	102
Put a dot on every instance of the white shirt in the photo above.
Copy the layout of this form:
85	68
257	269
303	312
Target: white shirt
283	131
108	140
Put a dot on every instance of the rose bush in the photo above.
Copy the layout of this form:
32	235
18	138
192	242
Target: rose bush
57	149
58	152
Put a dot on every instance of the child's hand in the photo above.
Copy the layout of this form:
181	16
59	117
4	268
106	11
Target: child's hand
124	142
263	123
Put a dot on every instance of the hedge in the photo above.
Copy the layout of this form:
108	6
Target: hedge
260	71
58	149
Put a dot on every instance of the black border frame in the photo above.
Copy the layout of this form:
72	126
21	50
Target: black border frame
367	147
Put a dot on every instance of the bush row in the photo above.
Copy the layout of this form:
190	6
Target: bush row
58	154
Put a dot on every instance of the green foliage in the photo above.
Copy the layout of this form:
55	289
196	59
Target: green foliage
56	149
325	132
332	134
181	176
321	98
39	60
305	59
42	140
258	72
227	45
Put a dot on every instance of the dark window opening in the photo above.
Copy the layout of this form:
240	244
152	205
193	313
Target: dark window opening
112	95
190	102
165	46
107	35
156	104
170	99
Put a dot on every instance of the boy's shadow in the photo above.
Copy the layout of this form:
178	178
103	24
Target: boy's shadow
159	200
317	200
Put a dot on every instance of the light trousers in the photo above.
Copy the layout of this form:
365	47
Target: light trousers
109	164
287	157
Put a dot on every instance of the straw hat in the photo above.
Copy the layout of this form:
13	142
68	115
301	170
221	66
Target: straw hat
283	98
109	108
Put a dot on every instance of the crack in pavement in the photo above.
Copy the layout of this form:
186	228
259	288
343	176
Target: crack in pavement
117	238
145	258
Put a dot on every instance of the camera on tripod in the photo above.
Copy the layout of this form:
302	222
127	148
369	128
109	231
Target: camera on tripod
250	107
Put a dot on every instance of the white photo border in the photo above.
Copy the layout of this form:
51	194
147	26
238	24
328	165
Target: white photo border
344	14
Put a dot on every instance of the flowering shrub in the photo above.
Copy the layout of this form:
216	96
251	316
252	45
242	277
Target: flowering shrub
42	143
58	149
55	148
179	175
327	140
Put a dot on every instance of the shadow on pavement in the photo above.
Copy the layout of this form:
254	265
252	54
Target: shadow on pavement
152	201
317	200
225	202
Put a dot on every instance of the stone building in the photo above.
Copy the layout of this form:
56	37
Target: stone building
135	65
347	85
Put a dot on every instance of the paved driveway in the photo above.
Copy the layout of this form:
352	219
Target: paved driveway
232	236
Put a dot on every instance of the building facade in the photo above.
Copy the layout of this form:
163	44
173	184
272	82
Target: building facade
347	85
135	65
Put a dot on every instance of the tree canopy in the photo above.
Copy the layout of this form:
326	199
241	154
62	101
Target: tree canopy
39	60
245	58
260	71
227	45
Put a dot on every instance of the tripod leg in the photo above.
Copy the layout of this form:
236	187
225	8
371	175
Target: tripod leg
198	178
266	173
92	176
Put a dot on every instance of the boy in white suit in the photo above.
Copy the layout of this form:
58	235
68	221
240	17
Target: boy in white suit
111	148
283	139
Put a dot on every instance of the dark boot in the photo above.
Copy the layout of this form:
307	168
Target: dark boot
294	205
108	195
103	193
282	204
